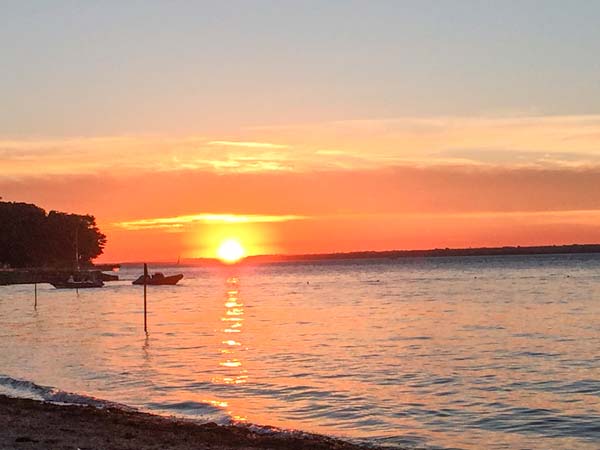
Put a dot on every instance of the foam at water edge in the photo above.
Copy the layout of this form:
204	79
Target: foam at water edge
14	387
18	388
297	434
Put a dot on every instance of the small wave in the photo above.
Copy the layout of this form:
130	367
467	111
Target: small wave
310	438
14	387
199	412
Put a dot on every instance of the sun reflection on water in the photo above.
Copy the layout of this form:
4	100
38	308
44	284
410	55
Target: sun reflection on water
232	321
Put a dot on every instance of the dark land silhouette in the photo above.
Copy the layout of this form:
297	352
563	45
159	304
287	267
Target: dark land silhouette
437	252
398	254
31	238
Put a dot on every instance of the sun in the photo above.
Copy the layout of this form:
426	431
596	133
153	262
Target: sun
230	251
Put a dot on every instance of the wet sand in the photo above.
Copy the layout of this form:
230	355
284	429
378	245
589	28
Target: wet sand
29	424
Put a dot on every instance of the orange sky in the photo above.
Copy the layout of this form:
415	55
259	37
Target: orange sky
301	127
342	186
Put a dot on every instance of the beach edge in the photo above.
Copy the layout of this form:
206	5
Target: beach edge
34	424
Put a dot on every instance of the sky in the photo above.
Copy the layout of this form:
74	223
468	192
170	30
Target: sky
305	126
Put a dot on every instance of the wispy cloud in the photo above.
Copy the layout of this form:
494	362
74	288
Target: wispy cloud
235	164
330	152
430	140
519	141
493	156
248	144
177	223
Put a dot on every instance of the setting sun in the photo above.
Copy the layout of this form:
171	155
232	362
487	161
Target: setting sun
230	251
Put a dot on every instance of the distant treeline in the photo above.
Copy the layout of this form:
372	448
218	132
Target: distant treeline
31	238
391	254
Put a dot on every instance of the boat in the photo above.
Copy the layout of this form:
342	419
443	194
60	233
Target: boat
71	284
89	279
159	279
108	277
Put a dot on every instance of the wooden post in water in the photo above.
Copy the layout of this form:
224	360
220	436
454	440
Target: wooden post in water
145	280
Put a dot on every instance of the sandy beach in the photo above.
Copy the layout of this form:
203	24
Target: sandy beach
29	424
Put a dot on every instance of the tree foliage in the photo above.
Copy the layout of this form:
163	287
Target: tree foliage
31	238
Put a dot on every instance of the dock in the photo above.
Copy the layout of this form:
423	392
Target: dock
43	275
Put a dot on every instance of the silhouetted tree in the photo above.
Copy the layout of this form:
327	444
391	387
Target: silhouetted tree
29	237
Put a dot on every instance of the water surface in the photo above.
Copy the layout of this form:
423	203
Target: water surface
496	352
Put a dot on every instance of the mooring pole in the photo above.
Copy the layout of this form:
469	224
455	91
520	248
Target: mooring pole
35	294
145	280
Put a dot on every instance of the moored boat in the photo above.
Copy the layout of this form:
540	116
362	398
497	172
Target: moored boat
70	284
108	277
159	279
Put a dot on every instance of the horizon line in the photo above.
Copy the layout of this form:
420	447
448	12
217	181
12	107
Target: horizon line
407	253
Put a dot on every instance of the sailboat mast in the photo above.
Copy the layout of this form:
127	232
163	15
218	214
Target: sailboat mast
77	248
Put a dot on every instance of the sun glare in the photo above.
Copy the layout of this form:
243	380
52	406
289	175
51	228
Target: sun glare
230	251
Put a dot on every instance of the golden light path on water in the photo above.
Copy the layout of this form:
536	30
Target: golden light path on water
233	322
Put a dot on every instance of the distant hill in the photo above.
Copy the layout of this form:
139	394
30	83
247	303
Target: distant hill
393	254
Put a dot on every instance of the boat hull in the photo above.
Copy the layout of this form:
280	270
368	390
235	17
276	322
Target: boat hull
164	281
78	284
108	277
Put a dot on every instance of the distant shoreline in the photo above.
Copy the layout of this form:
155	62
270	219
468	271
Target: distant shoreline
481	251
397	254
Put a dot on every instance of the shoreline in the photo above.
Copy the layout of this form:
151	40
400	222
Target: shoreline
512	250
33	424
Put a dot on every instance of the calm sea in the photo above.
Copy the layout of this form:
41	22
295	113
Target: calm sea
478	352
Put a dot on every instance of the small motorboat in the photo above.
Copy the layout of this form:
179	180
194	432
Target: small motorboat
158	279
72	284
108	277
